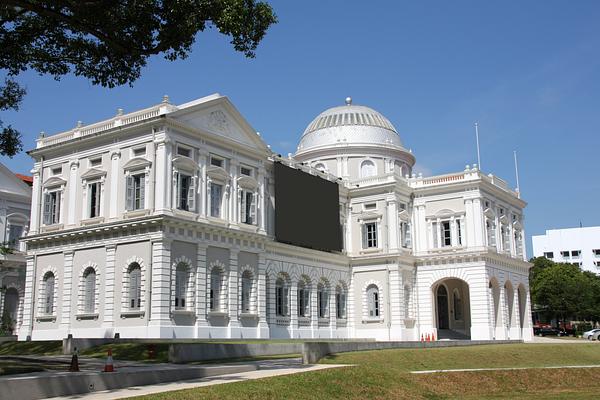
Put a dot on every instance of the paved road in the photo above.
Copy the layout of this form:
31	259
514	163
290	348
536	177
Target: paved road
266	369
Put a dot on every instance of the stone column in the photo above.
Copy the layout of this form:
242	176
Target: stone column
29	301
234	322
201	287
72	190
263	327
395	296
115	176
261	204
109	286
161	285
393	224
203	206
68	309
36	205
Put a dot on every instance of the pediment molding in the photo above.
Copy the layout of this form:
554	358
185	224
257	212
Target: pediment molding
517	225
93	173
219	173
488	212
247	182
137	163
54	181
504	219
404	216
369	216
185	163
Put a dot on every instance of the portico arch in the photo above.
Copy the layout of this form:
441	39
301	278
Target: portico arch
452	308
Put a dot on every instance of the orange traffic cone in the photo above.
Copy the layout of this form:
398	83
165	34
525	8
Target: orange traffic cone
428	338
108	366
422	339
433	337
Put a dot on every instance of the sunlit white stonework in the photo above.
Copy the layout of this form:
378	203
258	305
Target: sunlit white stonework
159	223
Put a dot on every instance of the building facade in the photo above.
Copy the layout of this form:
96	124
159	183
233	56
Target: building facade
160	223
15	204
579	246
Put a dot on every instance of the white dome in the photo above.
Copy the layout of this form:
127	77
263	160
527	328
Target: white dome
348	125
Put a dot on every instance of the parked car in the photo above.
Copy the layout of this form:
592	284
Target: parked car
550	332
596	335
588	334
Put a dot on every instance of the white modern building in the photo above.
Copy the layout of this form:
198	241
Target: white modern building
579	246
160	223
15	205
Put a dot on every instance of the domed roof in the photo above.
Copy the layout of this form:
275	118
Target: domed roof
349	125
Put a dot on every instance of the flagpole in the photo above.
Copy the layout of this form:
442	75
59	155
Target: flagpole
477	137
517	173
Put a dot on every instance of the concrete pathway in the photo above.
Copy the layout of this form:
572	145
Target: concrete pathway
267	368
435	371
555	340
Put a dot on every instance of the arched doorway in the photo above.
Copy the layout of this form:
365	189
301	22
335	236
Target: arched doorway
452	309
522	297
11	306
442	308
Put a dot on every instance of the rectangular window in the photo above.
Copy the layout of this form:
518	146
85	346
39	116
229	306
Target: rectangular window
370	206
136	187
217	162
184	151
94	199
14	234
245	171
370	235
596	252
52	208
549	254
216	194
185	192
247	208
405	232
57	171
564	254
446	234
96	162
139	152
575	253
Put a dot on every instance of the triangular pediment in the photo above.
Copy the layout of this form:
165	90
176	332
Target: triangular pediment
93	173
137	163
54	181
10	183
217	116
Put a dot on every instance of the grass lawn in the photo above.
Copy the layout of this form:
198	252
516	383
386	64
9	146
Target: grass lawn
49	347
385	374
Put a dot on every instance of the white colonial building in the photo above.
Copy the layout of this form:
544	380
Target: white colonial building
160	223
15	203
580	246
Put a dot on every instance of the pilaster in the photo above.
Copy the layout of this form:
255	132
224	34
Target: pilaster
72	190
109	285
234	322
201	283
36	205
263	327
161	283
67	309
115	176
28	308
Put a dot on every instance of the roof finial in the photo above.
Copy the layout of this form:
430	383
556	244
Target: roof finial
348	100
166	99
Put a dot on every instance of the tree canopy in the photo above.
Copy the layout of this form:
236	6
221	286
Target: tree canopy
563	290
110	41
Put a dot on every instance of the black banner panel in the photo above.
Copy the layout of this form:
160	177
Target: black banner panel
307	210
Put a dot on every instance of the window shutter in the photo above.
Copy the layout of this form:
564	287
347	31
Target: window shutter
192	194
129	193
177	190
436	234
90	292
407	238
57	208
492	234
142	191
371	303
50	295
47	208
364	235
285	301
253	197
243	207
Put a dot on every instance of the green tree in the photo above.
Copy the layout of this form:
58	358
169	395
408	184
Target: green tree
110	41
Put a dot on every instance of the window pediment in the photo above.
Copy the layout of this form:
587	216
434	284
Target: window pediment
489	213
54	181
403	215
217	173
93	173
445	213
247	182
503	220
369	216
517	225
185	163
137	163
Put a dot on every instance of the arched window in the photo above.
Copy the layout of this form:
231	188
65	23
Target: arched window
135	286
281	298
303	298
457	303
373	301
48	298
340	302
89	290
181	285
323	300
216	280
320	167
246	292
367	168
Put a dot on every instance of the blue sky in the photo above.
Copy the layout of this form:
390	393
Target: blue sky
527	71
